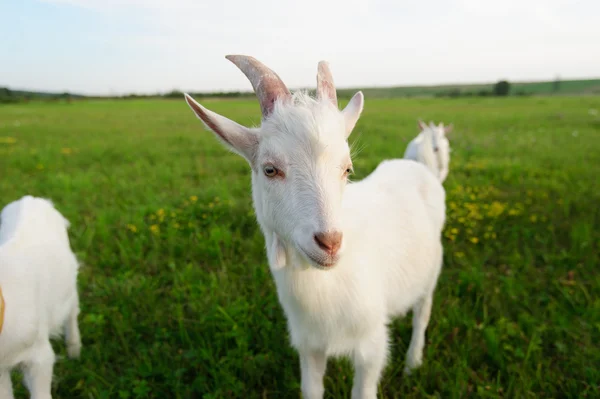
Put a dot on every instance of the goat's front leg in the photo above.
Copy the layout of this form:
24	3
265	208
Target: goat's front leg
312	369
369	360
6	389
38	371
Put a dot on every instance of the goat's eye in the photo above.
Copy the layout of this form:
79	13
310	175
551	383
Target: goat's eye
348	171
270	171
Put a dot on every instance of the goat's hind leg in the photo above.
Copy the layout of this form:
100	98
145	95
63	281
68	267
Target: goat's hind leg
37	371
421	315
72	335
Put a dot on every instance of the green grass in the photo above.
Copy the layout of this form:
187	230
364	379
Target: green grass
177	300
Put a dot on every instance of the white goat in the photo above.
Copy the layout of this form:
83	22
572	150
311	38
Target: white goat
345	257
38	277
431	147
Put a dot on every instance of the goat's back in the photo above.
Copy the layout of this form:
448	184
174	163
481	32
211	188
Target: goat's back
38	274
401	178
398	216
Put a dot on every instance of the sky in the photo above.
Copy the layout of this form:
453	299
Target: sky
110	47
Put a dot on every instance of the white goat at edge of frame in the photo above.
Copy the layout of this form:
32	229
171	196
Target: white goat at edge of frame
431	148
345	257
38	281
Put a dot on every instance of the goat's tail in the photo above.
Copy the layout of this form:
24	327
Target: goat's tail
425	154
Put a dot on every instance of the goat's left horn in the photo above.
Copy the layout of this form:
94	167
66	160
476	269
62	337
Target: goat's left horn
325	86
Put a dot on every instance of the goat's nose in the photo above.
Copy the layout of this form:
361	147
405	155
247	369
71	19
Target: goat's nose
329	242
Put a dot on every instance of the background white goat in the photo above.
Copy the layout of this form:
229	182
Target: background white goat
345	257
38	276
431	147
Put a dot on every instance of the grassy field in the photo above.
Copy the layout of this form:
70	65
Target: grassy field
177	300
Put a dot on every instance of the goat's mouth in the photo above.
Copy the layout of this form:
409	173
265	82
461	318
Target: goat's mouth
320	262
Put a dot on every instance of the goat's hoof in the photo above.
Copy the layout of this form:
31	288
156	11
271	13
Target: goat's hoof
74	350
409	368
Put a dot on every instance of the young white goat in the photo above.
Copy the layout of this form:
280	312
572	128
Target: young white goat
38	278
346	258
431	147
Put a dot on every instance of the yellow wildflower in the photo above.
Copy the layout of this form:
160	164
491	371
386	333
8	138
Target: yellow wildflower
533	218
132	228
66	151
7	140
193	198
474	240
496	209
155	229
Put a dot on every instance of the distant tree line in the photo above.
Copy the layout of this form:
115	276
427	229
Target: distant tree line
8	96
500	89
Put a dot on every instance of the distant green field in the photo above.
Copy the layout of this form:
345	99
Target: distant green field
177	299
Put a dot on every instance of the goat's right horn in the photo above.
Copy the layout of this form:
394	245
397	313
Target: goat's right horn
325	86
267	85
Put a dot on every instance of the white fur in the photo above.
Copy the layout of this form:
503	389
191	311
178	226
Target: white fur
431	147
391	253
38	276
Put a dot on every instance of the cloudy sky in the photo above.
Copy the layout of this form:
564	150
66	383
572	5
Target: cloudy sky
145	46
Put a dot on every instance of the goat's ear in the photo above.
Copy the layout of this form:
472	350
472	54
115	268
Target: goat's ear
236	137
448	129
422	125
352	111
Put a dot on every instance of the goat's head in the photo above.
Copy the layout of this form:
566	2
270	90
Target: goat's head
299	156
440	143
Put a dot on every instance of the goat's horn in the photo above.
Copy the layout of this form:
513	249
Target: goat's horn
267	85
325	86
